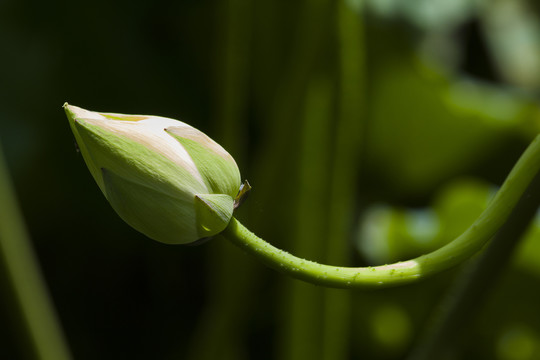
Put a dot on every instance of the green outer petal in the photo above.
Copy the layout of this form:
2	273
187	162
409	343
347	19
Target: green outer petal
134	161
214	212
82	147
157	215
220	174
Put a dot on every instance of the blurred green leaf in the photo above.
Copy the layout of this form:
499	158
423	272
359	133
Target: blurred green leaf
425	127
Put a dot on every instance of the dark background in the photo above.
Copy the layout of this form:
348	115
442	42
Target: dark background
440	99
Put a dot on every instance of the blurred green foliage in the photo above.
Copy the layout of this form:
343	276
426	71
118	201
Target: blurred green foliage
382	118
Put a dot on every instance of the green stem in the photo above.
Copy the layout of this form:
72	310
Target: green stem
450	255
473	286
22	269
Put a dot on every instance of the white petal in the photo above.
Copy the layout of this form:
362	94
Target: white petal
149	131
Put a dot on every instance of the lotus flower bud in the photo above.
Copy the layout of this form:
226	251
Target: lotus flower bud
165	178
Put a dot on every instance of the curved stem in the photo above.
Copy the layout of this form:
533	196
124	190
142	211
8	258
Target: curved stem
472	288
452	254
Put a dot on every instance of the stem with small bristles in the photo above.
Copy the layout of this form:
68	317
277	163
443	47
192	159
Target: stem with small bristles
460	249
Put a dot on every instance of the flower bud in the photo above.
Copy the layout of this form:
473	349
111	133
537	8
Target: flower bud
163	177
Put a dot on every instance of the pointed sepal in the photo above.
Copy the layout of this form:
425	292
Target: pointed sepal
213	212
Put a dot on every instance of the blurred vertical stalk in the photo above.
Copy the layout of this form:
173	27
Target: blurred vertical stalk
286	106
303	335
299	98
233	73
27	283
344	174
220	332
